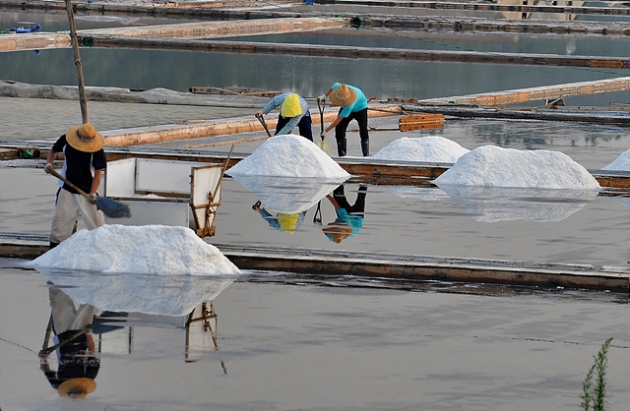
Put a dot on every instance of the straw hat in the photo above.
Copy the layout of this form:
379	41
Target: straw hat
342	95
85	138
291	106
77	387
337	232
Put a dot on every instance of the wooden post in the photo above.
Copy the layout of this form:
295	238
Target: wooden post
77	61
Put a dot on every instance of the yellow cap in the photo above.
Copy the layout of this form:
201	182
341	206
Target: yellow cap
291	106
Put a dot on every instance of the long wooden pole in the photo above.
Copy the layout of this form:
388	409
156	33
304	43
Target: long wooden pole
77	61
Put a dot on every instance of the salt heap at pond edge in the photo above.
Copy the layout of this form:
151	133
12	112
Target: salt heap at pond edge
427	149
289	156
491	166
147	249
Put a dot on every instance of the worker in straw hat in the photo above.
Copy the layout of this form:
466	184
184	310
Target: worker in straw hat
293	112
84	162
77	362
353	106
349	217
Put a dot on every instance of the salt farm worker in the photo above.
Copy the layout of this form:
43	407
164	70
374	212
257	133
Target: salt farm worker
349	217
286	222
293	112
354	106
83	165
77	363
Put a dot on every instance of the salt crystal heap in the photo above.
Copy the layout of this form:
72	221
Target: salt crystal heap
491	166
289	156
426	149
147	249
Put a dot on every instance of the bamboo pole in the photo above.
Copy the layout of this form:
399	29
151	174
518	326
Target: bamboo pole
77	61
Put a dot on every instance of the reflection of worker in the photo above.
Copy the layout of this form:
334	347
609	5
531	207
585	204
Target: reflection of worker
293	112
287	222
77	363
349	217
354	106
84	161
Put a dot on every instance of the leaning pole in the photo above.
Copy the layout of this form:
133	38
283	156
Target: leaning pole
77	61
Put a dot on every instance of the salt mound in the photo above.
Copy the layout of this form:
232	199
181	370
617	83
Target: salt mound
621	163
148	249
492	166
288	156
427	149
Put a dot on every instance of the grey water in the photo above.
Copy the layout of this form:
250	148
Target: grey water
310	76
286	341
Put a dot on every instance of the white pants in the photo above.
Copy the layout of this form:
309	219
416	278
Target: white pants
68	209
65	316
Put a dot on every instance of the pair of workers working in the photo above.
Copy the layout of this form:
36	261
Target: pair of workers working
352	106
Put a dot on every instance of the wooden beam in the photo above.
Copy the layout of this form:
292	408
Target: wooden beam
213	29
490	7
34	41
213	128
411	267
535	93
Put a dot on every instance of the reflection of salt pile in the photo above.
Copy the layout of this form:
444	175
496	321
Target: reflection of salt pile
149	249
491	204
492	166
288	156
425	149
169	295
288	195
422	193
621	163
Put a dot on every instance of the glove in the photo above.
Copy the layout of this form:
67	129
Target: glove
92	197
323	134
48	167
322	97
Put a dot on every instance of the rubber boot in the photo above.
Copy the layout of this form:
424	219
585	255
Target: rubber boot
52	245
365	147
341	147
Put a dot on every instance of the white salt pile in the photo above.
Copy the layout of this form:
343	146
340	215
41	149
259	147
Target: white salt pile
288	156
491	166
425	149
621	163
148	249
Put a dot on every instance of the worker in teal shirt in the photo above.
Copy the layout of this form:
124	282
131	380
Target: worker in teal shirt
349	217
353	106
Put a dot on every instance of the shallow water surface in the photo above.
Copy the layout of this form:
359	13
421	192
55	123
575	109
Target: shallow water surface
290	342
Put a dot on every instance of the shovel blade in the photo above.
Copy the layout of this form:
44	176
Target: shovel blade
326	147
112	208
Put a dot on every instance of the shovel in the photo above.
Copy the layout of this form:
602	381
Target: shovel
326	147
262	121
109	207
